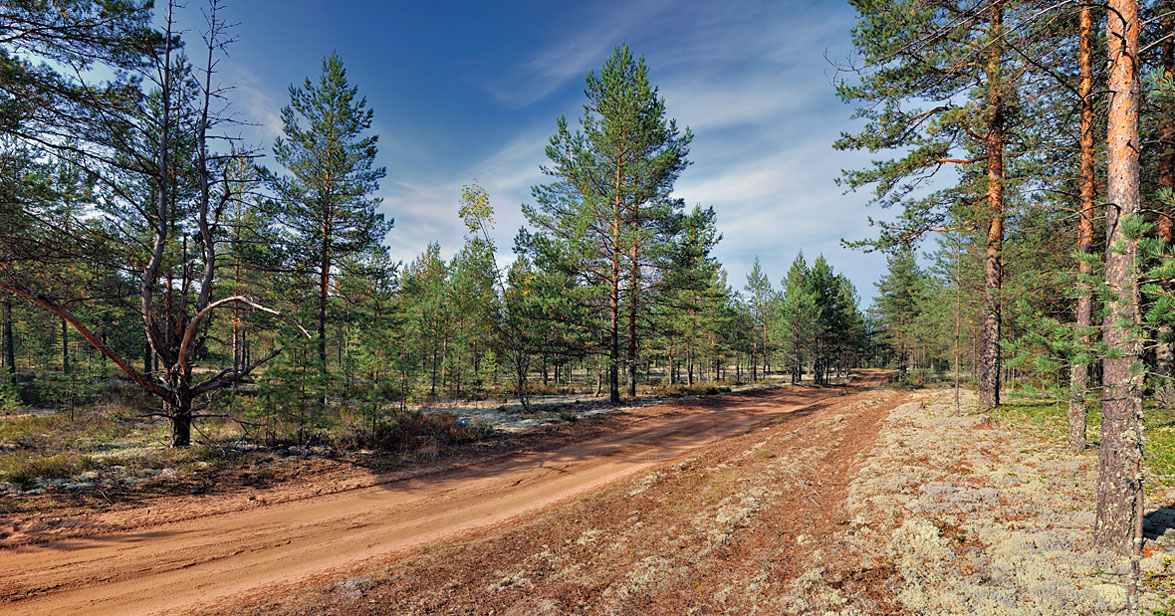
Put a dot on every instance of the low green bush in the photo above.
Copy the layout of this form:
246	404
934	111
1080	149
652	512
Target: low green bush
680	390
26	470
1050	420
404	430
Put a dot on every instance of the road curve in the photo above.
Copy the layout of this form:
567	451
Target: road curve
174	566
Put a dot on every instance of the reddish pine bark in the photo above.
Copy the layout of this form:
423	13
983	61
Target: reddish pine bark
1167	130
614	302
989	378
1119	480
1079	373
1164	353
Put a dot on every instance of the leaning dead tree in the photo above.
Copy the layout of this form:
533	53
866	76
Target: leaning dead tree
162	227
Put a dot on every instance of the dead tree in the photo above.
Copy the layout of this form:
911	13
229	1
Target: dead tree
175	307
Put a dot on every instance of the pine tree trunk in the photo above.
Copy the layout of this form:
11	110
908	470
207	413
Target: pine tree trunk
672	380
633	308
614	299
323	287
1079	372
147	360
754	361
238	291
9	343
179	411
1119	481
766	357
1164	354
64	348
457	376
989	380
445	361
236	343
958	318
614	326
181	426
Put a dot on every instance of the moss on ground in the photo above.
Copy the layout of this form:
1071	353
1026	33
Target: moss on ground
1049	419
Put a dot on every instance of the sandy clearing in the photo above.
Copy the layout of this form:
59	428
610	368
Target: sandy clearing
169	567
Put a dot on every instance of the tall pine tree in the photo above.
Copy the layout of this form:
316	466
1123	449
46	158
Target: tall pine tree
611	199
327	196
937	83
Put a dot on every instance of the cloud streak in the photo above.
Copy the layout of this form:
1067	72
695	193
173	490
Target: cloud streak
572	56
751	82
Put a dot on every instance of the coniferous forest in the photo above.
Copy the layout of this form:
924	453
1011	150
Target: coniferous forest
142	242
164	279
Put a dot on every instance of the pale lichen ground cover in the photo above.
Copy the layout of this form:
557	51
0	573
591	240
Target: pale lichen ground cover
977	517
508	416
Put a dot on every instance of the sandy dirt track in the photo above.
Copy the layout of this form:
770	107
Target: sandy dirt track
174	566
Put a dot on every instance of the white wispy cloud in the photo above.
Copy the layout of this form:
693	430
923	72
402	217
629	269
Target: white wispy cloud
253	105
598	29
424	212
751	82
427	211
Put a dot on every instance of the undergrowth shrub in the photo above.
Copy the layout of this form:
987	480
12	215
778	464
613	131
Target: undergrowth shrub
9	397
26	470
552	389
1049	419
697	389
405	430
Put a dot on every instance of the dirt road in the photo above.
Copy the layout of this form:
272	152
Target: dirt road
205	559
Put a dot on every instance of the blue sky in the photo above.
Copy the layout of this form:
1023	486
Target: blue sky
465	90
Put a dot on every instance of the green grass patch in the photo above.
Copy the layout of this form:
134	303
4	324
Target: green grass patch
1159	448
1047	419
682	390
59	430
26	470
1050	420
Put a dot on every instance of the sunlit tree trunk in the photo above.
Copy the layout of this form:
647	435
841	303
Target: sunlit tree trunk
9	343
64	347
989	380
1079	372
1164	353
1119	490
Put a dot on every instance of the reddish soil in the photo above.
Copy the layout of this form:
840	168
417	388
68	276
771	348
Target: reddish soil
187	552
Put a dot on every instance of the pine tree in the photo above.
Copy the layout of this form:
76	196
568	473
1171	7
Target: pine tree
368	285
1079	370
610	201
899	299
1120	455
761	298
798	318
327	200
951	54
691	292
475	309
428	312
149	154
